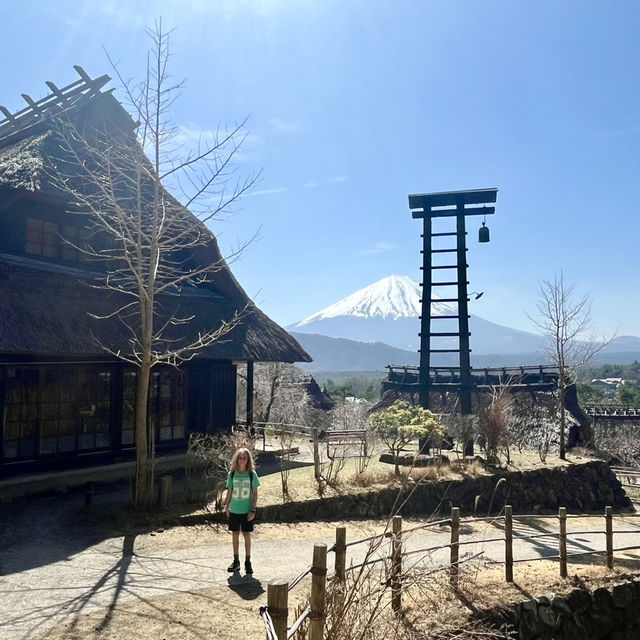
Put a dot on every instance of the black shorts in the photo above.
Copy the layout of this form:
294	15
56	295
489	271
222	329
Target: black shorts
238	521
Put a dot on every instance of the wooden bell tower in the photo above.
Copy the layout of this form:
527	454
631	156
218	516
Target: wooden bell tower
433	208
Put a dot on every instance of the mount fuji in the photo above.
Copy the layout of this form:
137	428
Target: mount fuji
388	311
379	325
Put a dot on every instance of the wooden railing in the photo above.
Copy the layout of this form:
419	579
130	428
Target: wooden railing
275	614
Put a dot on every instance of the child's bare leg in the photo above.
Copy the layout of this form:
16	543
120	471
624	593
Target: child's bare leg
235	542
247	543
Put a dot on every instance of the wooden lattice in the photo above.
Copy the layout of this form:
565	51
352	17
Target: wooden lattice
57	102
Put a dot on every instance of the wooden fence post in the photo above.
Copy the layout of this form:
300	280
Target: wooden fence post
396	565
164	491
455	537
318	585
341	552
608	514
277	606
508	543
562	541
316	454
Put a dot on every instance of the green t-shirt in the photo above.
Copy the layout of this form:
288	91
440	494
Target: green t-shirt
241	491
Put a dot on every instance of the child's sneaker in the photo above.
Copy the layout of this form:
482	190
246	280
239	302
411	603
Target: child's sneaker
248	569
234	566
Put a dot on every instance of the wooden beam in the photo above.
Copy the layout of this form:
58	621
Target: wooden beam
451	213
31	102
56	91
7	114
452	198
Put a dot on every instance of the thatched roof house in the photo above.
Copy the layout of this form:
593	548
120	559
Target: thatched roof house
62	395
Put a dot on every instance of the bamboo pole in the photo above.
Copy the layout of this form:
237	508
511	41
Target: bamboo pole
277	606
340	552
318	587
562	541
608	514
396	565
508	543
455	537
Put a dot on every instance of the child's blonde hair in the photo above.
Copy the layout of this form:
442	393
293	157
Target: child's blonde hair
234	460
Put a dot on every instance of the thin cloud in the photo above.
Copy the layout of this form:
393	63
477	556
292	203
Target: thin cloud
265	192
311	185
282	125
378	247
337	179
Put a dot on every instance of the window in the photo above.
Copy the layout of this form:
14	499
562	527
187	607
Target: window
21	413
53	410
51	240
167	405
42	238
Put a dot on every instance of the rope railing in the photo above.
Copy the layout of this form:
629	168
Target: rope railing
268	623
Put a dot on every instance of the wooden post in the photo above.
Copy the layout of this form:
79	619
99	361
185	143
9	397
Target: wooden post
164	491
318	584
277	606
455	536
562	542
508	543
396	565
316	455
341	552
608	514
249	415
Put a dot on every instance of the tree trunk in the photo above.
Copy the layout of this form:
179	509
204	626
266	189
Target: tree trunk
143	495
563	418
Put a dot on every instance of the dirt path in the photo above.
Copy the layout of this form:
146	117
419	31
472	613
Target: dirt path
59	581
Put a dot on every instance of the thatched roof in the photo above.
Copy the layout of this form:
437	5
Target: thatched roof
318	398
44	307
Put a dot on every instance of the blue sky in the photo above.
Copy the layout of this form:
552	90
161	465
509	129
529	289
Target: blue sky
353	105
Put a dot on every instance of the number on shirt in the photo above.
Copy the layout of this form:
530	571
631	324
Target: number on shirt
241	489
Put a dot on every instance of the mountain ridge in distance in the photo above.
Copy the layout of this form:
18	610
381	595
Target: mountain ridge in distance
378	325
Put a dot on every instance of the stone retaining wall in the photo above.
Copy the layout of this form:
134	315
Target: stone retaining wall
581	488
611	613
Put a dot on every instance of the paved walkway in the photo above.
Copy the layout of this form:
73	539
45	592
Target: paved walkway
49	574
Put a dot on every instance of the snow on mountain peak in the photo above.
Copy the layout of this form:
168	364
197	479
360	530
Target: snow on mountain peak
392	297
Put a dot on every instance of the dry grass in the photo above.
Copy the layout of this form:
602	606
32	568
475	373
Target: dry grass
378	475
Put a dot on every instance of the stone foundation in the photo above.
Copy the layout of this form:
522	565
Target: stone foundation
611	613
582	488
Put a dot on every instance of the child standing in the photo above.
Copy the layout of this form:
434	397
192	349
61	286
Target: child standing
240	505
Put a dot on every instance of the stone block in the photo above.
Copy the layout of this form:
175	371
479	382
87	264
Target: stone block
602	599
559	604
579	601
621	595
599	623
548	617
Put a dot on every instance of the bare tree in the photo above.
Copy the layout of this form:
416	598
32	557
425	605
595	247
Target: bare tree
153	247
565	319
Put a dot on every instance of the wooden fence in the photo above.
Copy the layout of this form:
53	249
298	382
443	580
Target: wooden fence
275	613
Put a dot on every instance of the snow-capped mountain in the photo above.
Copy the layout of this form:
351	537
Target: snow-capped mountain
379	325
388	311
392	297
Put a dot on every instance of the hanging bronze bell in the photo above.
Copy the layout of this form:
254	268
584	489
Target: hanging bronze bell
483	233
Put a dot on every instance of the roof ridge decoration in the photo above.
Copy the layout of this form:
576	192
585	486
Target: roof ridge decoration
57	102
